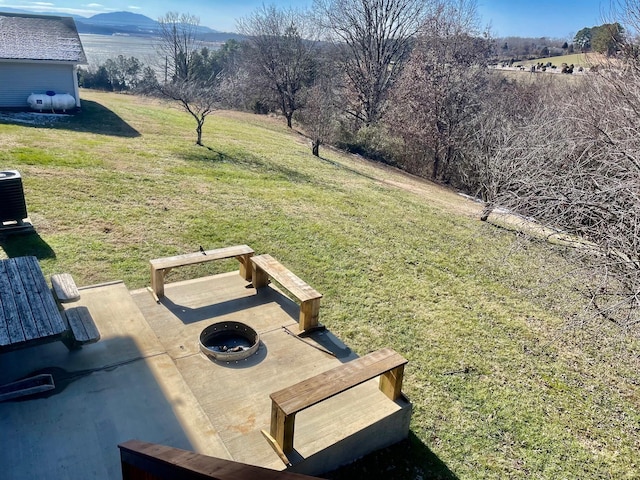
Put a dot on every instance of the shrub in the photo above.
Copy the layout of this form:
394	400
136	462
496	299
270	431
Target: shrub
371	142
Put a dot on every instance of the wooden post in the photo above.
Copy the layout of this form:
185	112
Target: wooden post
245	266
282	427
309	313
260	278
391	382
157	281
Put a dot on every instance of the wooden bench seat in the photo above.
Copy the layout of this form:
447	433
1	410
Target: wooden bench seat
160	267
285	403
64	288
27	386
82	329
265	266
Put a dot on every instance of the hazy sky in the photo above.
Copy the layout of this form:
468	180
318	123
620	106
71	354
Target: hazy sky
523	18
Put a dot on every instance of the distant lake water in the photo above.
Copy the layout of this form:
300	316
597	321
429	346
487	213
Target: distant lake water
99	48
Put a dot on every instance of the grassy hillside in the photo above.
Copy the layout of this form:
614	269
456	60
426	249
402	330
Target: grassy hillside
501	387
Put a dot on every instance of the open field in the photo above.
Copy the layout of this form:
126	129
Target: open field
502	385
585	60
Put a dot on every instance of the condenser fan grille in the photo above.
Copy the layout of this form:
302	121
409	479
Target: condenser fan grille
12	204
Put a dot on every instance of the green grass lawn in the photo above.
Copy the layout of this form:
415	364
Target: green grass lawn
585	60
502	385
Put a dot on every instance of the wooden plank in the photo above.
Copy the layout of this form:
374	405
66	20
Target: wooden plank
161	266
391	382
44	293
199	257
309	314
285	277
276	447
282	427
325	385
24	315
28	270
4	330
5	338
64	287
159	461
28	386
82	326
76	324
9	307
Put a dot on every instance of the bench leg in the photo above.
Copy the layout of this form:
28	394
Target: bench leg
282	427
260	278
157	282
309	313
391	382
70	341
245	267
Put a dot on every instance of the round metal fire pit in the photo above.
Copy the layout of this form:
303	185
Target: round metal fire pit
229	341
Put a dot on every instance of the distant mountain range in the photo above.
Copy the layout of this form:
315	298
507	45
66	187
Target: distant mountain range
126	23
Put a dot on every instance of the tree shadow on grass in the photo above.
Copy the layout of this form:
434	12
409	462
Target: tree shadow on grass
92	118
406	460
247	161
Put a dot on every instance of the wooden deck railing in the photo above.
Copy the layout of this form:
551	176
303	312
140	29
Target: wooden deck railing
149	461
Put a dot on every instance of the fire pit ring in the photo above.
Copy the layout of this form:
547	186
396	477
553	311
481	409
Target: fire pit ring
229	341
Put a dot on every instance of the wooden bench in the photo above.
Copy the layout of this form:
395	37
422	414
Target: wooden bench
160	267
265	266
82	329
27	386
64	288
285	403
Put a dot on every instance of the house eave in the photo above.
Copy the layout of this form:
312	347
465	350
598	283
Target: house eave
42	61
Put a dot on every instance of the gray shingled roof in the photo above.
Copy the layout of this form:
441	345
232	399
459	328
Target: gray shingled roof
40	37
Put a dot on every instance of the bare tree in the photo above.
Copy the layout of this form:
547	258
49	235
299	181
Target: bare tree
578	171
178	44
374	37
501	136
441	88
196	99
197	94
319	116
280	54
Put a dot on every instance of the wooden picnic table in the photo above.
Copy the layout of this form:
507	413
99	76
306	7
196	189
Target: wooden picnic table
29	314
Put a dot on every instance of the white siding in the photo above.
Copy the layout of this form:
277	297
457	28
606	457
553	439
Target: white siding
19	80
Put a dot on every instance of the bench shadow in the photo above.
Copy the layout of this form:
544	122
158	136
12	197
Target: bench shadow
321	338
406	460
190	315
26	244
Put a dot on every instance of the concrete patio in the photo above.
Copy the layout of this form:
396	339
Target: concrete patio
146	379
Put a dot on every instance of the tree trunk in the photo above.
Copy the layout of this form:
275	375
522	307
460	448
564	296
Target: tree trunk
436	166
315	147
199	132
289	115
486	211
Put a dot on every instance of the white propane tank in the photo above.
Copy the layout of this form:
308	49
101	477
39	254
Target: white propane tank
63	101
51	101
39	101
